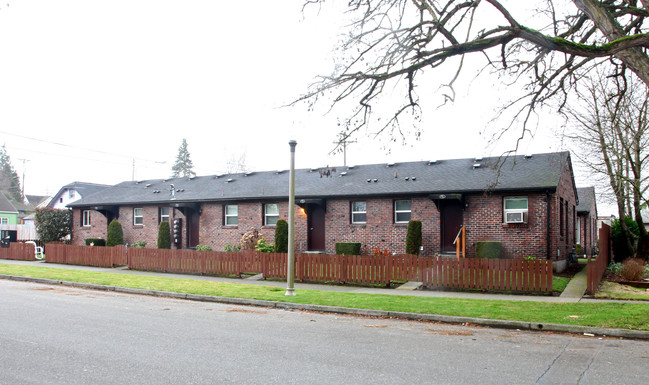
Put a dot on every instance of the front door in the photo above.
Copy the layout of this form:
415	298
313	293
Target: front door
192	220
451	213
316	227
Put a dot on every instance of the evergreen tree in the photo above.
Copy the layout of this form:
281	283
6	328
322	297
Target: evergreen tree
183	166
53	225
164	235
115	234
9	182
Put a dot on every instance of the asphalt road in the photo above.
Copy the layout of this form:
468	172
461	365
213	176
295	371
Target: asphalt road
61	335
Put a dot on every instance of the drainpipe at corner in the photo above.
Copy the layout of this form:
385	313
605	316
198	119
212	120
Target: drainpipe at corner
548	201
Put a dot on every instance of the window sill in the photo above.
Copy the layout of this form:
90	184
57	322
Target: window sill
233	227
138	226
515	225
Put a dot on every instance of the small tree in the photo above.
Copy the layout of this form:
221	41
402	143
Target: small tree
183	166
413	238
115	235
53	225
281	236
164	235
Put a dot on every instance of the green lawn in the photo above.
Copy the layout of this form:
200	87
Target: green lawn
615	315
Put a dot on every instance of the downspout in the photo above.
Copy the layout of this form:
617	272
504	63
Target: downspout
547	224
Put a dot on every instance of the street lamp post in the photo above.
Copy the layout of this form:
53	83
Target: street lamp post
290	275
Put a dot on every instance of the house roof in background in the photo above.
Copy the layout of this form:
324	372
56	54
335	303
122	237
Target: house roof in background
514	173
586	199
5	205
82	188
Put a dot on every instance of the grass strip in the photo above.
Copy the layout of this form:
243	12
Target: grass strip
611	315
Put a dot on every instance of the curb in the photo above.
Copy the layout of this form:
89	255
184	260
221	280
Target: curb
502	324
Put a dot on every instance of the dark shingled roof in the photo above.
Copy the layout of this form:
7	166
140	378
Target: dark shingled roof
5	205
586	198
516	173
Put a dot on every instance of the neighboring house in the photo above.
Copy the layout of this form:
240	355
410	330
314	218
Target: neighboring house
73	192
586	225
8	212
526	202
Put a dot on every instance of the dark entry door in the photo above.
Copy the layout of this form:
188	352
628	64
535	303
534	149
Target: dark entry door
316	227
451	221
192	219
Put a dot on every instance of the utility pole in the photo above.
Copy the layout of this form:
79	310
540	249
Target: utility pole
22	193
343	140
290	273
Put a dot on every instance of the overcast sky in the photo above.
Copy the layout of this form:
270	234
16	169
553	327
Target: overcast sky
105	91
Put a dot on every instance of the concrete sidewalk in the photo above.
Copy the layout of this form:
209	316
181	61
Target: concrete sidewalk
572	296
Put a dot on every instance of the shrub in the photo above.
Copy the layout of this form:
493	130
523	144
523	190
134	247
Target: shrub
231	247
281	236
530	258
615	268
264	247
620	253
164	235
203	248
632	269
379	252
52	225
578	249
348	248
139	244
413	237
95	242
487	249
250	238
115	235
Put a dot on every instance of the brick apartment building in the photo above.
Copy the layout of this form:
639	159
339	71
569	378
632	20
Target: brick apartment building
529	203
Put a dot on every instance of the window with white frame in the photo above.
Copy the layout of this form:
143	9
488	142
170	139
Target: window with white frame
402	211
359	212
271	214
164	214
4	221
85	218
138	216
515	209
231	215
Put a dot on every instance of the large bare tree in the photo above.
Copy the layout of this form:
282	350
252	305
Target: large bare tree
611	129
392	45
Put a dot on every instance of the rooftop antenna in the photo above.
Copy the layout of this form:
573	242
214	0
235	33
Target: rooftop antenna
343	140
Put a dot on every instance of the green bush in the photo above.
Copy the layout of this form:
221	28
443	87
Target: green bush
53	225
281	236
203	248
264	247
95	242
413	237
115	235
620	252
164	235
488	249
230	247
348	248
139	244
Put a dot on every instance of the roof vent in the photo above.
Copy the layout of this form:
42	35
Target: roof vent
279	172
351	167
478	159
248	173
343	173
369	180
528	156
434	161
148	185
476	165
390	165
375	180
314	169
229	180
413	178
191	178
407	178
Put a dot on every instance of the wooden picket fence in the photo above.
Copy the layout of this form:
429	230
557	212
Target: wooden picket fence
463	273
86	255
596	268
19	251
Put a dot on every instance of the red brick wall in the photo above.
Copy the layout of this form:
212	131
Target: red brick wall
97	229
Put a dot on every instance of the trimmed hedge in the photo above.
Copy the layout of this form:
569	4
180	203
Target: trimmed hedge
164	235
115	235
488	249
413	237
96	241
348	248
281	236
